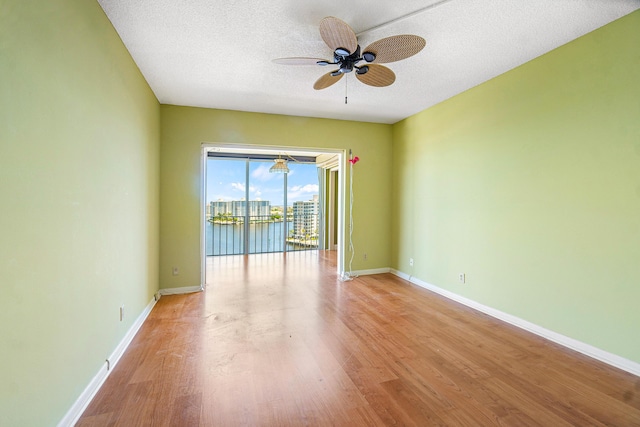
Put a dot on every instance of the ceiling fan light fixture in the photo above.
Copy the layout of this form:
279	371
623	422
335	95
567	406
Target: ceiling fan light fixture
369	56
280	166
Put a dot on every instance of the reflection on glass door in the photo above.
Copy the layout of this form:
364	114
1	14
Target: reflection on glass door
250	210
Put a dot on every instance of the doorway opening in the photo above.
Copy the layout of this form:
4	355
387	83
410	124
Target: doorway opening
250	208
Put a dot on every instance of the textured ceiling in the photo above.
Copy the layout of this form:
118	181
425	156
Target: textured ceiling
218	54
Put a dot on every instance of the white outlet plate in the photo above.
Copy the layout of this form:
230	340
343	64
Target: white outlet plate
462	278
175	271
122	312
410	262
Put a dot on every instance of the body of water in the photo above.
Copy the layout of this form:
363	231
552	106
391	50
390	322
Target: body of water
228	239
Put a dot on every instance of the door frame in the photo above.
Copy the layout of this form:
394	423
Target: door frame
247	148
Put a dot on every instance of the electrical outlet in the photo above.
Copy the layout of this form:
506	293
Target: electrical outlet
410	262
462	278
175	271
122	312
365	257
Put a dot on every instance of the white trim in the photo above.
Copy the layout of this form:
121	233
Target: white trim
203	215
342	201
573	344
342	167
79	406
179	291
370	272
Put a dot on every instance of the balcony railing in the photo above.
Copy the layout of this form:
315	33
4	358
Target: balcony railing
225	234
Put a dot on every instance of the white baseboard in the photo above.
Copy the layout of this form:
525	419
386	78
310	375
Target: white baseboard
76	410
179	291
579	346
370	272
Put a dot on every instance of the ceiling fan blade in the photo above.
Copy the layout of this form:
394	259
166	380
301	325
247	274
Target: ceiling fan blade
326	80
395	48
298	61
378	76
337	33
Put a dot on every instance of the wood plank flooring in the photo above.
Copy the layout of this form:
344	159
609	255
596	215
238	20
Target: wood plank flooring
279	340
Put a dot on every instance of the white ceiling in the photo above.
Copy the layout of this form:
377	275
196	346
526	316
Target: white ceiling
218	54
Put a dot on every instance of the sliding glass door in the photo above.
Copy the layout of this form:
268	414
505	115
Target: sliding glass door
252	210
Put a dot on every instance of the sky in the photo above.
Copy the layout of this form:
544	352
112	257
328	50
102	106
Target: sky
226	181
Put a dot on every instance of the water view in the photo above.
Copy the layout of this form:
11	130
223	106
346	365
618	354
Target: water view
228	239
243	189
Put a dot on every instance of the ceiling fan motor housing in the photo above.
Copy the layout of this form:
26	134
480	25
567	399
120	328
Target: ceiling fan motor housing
348	62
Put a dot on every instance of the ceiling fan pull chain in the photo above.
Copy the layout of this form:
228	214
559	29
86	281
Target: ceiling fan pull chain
345	89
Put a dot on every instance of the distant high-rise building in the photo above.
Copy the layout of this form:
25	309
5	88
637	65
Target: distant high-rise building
305	217
220	207
238	208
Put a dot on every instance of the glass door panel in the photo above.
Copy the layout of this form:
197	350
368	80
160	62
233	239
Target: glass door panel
266	206
225	215
303	207
249	211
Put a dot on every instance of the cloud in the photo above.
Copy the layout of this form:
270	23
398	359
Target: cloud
302	192
261	173
309	188
253	190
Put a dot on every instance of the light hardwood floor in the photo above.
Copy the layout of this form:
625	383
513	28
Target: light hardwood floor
279	340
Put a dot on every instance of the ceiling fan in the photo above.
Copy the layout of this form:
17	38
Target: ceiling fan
348	56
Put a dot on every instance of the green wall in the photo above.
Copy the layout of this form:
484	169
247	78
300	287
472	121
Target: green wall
530	184
184	129
79	179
